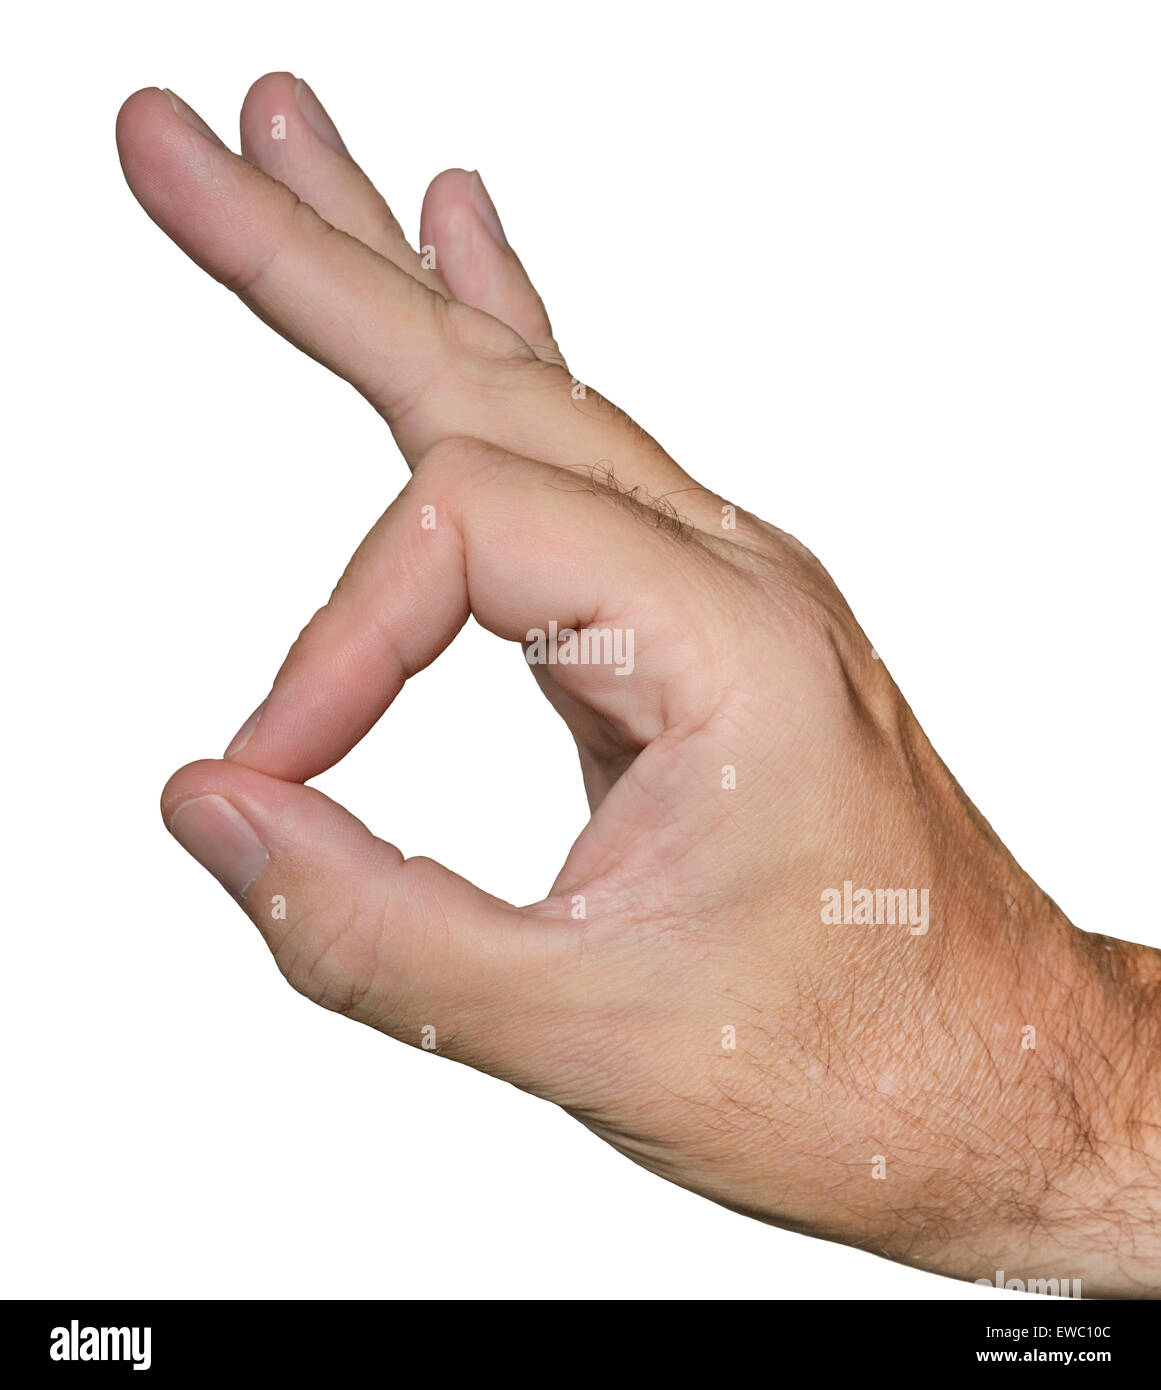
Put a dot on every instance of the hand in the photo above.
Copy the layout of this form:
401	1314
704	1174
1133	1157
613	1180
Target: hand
786	964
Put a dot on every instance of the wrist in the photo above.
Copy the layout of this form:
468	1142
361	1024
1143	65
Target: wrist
1045	1112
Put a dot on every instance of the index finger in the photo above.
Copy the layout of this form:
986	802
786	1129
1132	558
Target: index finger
613	608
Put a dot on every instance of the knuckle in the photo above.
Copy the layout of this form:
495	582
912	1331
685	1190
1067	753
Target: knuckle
294	219
331	960
349	952
458	461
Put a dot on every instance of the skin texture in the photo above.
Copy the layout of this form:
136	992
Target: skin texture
880	1089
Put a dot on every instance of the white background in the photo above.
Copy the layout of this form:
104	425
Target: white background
887	274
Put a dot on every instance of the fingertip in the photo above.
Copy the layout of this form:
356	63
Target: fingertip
478	263
216	777
136	101
280	104
167	150
448	196
277	80
447	182
285	814
137	111
186	784
270	96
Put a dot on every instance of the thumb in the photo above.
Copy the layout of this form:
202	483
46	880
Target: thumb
401	944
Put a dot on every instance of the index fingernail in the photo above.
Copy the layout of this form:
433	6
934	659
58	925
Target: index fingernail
245	733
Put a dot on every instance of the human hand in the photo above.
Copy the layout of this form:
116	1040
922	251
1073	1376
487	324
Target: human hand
745	754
